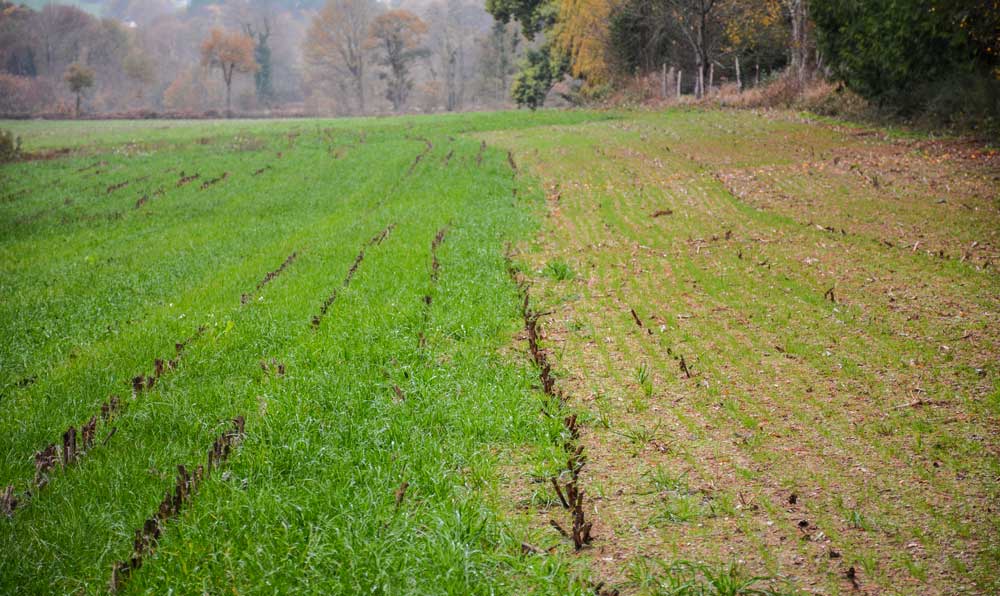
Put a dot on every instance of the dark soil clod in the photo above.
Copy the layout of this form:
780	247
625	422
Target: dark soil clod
186	179
213	181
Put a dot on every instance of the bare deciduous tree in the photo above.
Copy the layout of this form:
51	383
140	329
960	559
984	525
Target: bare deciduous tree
497	59
335	45
696	20
449	27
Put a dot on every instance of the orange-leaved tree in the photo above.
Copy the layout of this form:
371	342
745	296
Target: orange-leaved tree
397	34
230	53
79	77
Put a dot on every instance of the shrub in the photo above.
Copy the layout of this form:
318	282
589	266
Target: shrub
922	59
10	146
781	92
24	95
837	101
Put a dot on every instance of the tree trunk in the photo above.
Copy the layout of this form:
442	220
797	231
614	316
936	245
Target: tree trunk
699	91
800	43
739	79
227	78
711	77
680	73
77	104
699	86
359	83
461	74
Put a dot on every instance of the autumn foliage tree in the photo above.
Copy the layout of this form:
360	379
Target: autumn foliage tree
757	33
230	53
397	35
581	33
79	77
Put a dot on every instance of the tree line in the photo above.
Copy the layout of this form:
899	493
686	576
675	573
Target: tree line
905	55
374	56
321	56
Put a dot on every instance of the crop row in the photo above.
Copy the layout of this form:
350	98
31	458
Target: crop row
71	450
53	456
269	277
569	492
375	241
185	487
420	156
435	269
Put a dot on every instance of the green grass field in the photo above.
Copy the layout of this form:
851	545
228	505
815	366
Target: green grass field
350	288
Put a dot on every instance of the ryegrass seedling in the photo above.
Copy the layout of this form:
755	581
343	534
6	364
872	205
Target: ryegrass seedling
858	521
604	412
644	379
639	435
869	563
916	568
559	270
686	578
662	479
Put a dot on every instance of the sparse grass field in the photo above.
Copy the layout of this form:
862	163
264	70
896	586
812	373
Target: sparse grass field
779	337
